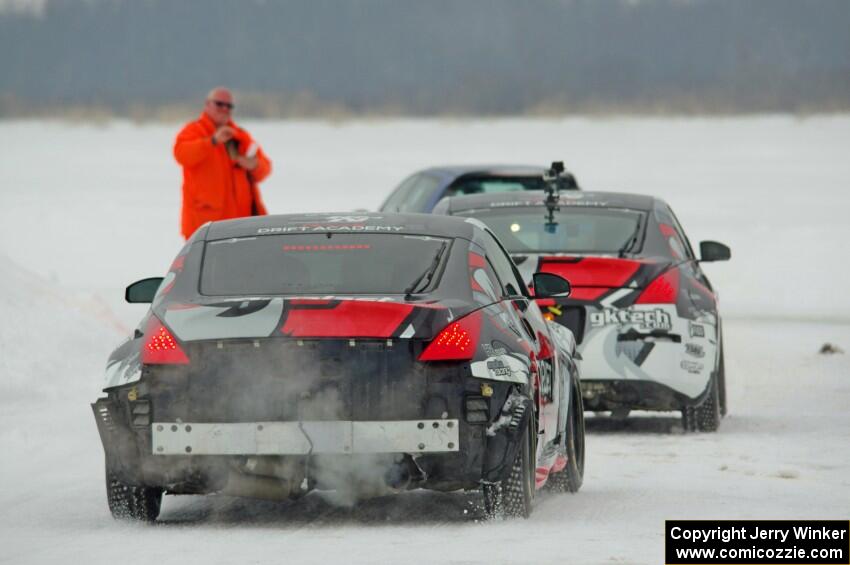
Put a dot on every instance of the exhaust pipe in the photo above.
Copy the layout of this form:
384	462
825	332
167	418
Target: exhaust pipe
404	474
256	486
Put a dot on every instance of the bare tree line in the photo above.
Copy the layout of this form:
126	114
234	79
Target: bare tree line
155	58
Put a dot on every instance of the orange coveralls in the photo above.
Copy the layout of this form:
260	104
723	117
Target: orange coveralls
214	186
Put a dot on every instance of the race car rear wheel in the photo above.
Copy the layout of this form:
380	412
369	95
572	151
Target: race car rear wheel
704	417
570	478
127	502
514	496
721	382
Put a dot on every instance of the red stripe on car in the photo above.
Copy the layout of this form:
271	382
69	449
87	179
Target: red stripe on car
476	260
591	272
352	318
540	476
560	464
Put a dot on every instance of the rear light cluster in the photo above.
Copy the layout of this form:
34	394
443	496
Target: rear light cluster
663	290
160	347
457	342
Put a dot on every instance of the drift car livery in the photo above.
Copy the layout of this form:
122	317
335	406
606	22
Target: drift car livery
370	353
642	311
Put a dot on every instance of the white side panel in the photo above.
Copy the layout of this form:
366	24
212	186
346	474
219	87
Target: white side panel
685	366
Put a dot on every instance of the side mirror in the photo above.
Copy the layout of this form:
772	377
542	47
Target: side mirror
548	285
143	291
714	251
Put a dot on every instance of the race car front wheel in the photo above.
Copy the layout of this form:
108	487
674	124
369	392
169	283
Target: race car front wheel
514	496
127	502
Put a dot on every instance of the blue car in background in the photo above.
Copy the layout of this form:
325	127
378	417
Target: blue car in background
421	191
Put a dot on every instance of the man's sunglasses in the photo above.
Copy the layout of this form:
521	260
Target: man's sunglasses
220	104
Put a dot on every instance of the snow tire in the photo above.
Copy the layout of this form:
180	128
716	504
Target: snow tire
704	417
721	382
127	502
514	496
570	478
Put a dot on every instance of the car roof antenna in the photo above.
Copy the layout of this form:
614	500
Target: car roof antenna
553	178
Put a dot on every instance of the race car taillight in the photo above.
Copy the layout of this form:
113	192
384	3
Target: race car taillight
663	290
160	347
457	341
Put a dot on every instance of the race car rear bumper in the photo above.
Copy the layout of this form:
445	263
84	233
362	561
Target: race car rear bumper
194	457
303	438
606	395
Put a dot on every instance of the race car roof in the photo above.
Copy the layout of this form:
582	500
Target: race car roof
536	197
487	170
340	222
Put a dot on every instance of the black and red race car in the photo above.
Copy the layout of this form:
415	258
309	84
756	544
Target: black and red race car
366	354
642	310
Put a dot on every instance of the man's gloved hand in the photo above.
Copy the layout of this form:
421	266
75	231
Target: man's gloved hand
241	136
223	134
246	146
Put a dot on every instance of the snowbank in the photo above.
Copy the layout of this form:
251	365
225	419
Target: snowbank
87	210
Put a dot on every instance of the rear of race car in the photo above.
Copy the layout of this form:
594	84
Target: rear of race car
640	349
646	331
269	395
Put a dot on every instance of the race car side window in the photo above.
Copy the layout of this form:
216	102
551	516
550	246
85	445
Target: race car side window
504	267
482	275
688	249
693	267
399	194
671	231
412	194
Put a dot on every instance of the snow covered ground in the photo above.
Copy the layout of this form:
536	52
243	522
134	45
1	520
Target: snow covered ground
85	210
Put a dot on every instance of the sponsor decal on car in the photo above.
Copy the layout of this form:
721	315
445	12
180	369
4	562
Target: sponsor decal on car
505	368
349	219
692	367
515	203
498	369
647	320
694	350
329	228
583	203
696	330
333	297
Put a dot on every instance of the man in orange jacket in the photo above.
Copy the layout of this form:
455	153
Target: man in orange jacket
221	166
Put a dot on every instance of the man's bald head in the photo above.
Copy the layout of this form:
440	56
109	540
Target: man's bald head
219	105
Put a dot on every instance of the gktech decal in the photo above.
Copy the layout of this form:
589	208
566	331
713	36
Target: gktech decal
646	320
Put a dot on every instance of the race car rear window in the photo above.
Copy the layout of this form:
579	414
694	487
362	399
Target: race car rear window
489	185
329	264
577	230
